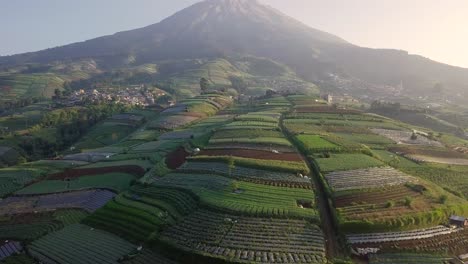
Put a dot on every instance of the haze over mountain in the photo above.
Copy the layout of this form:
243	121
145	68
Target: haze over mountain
226	28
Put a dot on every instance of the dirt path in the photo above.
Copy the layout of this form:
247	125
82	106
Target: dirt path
332	244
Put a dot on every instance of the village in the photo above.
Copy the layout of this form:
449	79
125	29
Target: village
138	95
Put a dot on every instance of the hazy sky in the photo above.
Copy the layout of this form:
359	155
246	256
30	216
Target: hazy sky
437	29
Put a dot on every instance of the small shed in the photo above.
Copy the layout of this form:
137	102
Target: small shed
458	221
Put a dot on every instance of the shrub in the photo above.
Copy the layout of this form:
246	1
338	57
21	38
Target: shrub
408	201
390	204
443	198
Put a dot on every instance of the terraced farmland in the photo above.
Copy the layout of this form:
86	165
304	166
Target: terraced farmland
367	178
80	244
246	240
407	258
9	248
344	162
266	177
405	137
112	181
86	200
142	211
222	194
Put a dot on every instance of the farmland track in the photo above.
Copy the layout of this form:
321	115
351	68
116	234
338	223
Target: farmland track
332	244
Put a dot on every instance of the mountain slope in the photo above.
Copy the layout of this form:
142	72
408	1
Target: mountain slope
221	28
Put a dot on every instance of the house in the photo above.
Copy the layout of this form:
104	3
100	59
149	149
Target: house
458	221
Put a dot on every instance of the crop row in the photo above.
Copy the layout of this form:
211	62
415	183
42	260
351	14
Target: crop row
147	256
257	140
87	200
78	244
223	194
367	178
274	178
243	239
9	248
410	258
401	236
143	211
344	162
453	244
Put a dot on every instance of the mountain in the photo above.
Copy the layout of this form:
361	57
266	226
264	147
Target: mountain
227	28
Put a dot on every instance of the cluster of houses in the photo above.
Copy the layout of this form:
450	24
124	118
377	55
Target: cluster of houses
133	95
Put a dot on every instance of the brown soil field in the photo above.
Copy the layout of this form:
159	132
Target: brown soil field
252	154
176	158
76	173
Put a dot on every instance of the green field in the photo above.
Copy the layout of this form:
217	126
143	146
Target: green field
343	162
314	143
223	194
80	244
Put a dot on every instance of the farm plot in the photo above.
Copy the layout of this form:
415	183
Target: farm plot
112	181
147	256
27	227
145	135
373	141
80	244
367	178
394	160
247	133
19	259
226	195
406	137
253	154
171	122
328	116
401	236
407	258
344	162
454	243
13	179
324	109
378	196
260	140
104	134
248	240
275	178
137	171
314	143
9	248
142	211
251	124
257	116
252	146
272	165
422	154
347	124
87	200
88	156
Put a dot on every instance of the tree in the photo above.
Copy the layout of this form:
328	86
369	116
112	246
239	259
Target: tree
57	93
204	84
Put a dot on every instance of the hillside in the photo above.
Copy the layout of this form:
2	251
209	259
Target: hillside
220	28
